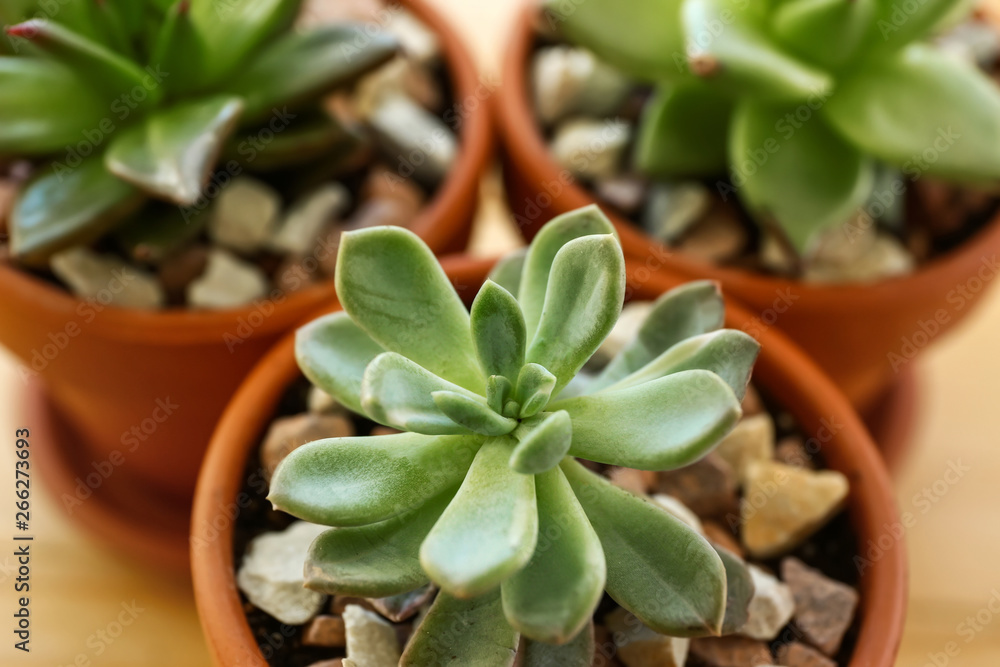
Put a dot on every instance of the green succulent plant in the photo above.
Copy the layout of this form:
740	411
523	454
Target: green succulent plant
482	493
800	99
121	101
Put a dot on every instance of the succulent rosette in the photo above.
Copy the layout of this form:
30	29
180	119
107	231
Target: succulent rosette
482	492
800	102
123	102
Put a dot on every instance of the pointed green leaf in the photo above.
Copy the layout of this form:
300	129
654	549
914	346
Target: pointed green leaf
811	180
333	352
554	597
397	392
473	413
308	137
643	39
498	331
583	300
658	568
683	131
745	59
36	94
728	353
179	50
376	560
691	309
828	33
739	591
542	252
542	443
172	152
535	386
507	271
231	31
660	425
358	481
64	207
393	287
922	110
160	231
335	55
101	66
578	652
463	633
489	530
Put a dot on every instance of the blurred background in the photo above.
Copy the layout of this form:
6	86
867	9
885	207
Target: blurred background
79	590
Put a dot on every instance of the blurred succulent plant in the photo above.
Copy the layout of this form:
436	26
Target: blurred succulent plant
799	97
481	493
124	100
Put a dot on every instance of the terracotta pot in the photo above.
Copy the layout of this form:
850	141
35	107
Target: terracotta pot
783	370
115	374
851	330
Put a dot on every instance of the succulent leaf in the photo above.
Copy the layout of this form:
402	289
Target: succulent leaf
333	352
104	68
744	60
489	530
471	633
399	393
894	26
178	49
583	300
473	413
364	480
828	33
813	181
36	94
739	591
542	252
507	271
696	409
376	560
683	131
578	652
918	100
642	39
231	31
171	153
301	67
498	331
307	137
686	311
498	391
542	443
60	208
728	353
392	286
554	596
658	568
535	385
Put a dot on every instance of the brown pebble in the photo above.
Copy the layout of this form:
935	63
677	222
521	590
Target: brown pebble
180	269
719	237
731	651
721	536
325	631
939	203
753	404
800	655
626	193
824	608
398	608
384	211
707	487
384	430
791	451
639	482
289	433
336	662
385	183
295	274
7	192
604	648
340	602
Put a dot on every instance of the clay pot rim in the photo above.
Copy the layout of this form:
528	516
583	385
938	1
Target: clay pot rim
785	371
523	142
437	224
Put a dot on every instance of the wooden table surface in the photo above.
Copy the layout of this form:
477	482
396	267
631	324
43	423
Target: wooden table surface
81	591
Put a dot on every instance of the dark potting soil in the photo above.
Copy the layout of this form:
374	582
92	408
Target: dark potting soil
831	551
